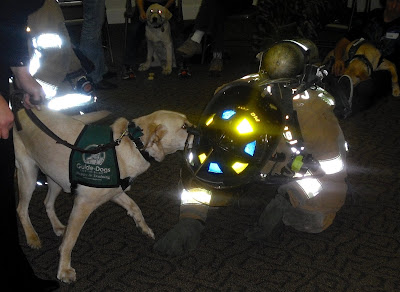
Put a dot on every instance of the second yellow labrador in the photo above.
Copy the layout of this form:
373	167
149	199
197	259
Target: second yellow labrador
160	49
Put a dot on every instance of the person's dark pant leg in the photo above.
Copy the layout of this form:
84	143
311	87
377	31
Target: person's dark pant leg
15	262
368	92
135	35
205	19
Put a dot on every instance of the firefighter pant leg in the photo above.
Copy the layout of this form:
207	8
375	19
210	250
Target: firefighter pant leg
182	238
270	220
185	235
317	213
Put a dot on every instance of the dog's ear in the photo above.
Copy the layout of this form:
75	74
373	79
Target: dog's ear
153	144
168	14
156	133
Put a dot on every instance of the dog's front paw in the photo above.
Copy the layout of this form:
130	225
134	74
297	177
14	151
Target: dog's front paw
144	67
166	70
395	90
60	230
67	275
34	241
149	232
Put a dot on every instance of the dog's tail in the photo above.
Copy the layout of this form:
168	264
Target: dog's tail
92	117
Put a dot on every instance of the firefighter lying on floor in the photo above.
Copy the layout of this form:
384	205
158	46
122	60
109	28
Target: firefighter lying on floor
257	129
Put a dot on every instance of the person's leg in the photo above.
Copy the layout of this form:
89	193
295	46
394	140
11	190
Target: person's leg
135	35
270	224
217	30
368	92
18	271
206	15
204	23
91	39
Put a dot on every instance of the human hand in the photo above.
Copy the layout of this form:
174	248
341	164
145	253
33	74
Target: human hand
183	237
6	118
338	67
143	16
33	91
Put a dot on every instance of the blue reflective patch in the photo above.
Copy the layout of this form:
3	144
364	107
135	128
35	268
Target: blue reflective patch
214	167
227	114
250	148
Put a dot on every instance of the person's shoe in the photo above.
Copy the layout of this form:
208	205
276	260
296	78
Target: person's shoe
80	82
343	97
346	85
104	85
189	48
128	73
84	85
109	75
216	67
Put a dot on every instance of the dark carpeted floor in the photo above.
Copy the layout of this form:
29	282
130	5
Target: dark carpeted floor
359	252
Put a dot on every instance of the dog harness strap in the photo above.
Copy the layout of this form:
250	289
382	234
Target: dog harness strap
51	134
353	49
125	183
365	61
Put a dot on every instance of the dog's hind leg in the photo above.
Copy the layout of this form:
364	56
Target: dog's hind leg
387	65
53	191
27	171
134	211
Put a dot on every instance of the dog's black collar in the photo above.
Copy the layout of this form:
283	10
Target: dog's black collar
134	133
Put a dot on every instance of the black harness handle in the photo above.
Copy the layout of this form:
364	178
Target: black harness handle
45	129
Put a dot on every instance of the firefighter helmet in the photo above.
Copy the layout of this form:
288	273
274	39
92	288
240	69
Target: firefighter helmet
287	59
238	131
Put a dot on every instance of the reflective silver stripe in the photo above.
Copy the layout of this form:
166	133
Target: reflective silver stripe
331	166
47	40
195	196
310	186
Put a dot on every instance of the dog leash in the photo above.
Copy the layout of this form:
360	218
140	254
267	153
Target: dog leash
133	132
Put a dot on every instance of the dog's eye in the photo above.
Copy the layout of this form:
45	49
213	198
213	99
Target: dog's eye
151	10
159	12
184	126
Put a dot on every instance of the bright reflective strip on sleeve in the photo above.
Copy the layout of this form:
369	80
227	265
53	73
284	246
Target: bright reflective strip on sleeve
196	196
331	166
47	40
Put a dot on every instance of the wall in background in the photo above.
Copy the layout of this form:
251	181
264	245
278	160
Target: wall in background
116	9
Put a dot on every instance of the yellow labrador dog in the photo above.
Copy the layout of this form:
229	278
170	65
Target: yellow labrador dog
162	133
368	58
363	58
160	50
